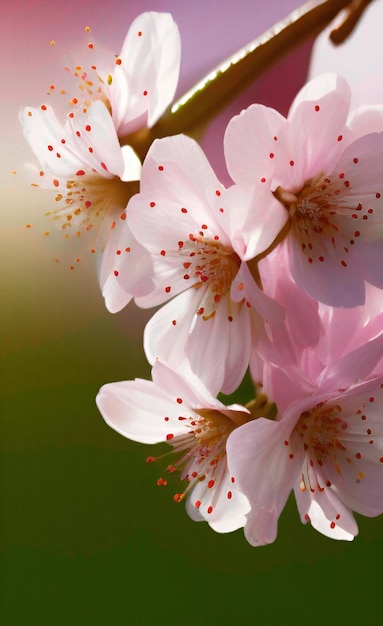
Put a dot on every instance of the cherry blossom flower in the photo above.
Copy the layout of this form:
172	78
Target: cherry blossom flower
200	236
328	178
327	443
175	407
139	83
82	162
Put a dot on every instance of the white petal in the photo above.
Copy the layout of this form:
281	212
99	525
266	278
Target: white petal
146	80
326	513
97	142
136	409
259	461
48	139
253	218
355	365
181	382
132	164
126	268
229	509
178	194
218	349
165	339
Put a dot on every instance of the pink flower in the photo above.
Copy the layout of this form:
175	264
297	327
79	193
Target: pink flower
199	236
327	445
143	81
302	326
136	85
329	180
81	161
175	407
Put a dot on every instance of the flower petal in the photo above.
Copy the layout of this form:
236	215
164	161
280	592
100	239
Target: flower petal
229	509
96	141
327	513
252	218
354	366
48	139
316	131
335	281
145	82
128	408
125	269
366	119
250	449
165	333
250	139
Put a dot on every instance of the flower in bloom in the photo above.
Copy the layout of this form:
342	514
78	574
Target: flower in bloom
139	83
82	160
199	236
329	179
326	445
176	407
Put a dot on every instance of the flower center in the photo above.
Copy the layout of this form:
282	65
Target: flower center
317	215
202	452
87	200
322	431
211	265
319	430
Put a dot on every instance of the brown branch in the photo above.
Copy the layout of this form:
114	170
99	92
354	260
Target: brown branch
195	109
354	12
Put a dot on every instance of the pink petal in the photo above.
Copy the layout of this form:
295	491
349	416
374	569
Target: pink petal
181	382
249	143
259	461
301	325
367	119
178	193
359	480
359	174
147	78
286	385
165	339
125	270
311	139
253	218
128	408
332	282
354	366
97	143
371	257
218	349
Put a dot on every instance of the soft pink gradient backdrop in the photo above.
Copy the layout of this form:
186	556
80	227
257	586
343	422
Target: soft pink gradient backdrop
359	58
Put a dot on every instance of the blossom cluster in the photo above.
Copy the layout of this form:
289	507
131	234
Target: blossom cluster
279	274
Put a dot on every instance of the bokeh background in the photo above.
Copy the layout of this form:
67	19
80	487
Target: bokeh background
86	536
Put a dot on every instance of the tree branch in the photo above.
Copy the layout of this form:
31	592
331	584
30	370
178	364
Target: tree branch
221	85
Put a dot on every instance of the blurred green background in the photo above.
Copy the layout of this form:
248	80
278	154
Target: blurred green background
87	538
